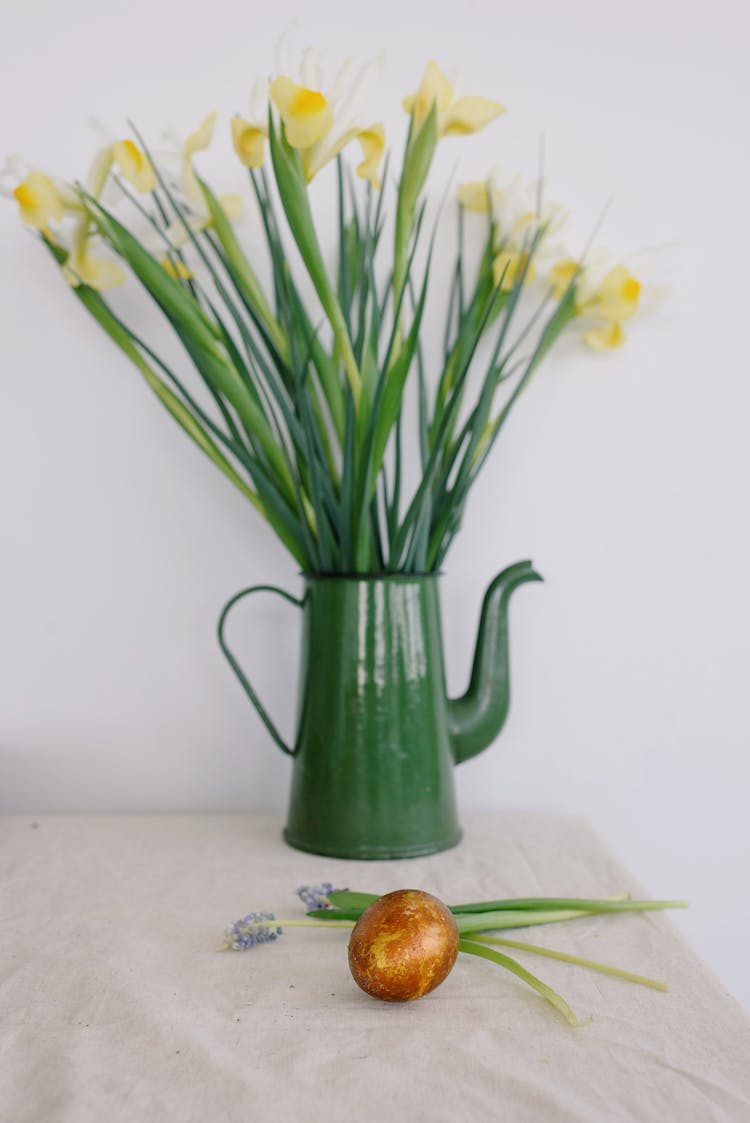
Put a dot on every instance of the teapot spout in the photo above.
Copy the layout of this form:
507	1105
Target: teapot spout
476	718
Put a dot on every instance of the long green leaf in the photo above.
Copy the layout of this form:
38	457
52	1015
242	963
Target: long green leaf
546	992
293	311
242	273
203	346
97	306
420	149
576	961
293	193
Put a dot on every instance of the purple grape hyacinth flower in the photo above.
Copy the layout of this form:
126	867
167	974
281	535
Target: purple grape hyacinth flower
250	931
316	896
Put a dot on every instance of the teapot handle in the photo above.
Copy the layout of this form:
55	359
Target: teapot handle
262	712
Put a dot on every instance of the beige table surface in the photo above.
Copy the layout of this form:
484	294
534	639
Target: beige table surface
115	1005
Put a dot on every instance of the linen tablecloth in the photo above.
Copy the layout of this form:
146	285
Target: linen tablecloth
116	1004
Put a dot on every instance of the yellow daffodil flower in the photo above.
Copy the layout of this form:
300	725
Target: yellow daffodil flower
249	142
456	116
608	302
249	134
319	125
616	297
614	300
306	114
309	121
43	200
82	267
134	165
39	201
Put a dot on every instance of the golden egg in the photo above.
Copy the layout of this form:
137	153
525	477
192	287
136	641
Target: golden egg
403	946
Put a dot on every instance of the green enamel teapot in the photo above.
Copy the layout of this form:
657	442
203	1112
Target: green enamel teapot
377	736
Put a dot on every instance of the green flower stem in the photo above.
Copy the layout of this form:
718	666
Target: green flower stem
309	922
296	923
183	413
577	960
200	336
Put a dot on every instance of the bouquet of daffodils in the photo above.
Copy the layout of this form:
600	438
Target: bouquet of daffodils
299	399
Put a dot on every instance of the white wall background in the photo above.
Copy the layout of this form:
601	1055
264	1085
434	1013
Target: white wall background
624	478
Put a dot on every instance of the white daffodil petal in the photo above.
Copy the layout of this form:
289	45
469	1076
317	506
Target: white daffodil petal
310	70
283	59
100	131
13	172
259	103
341	82
359	94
